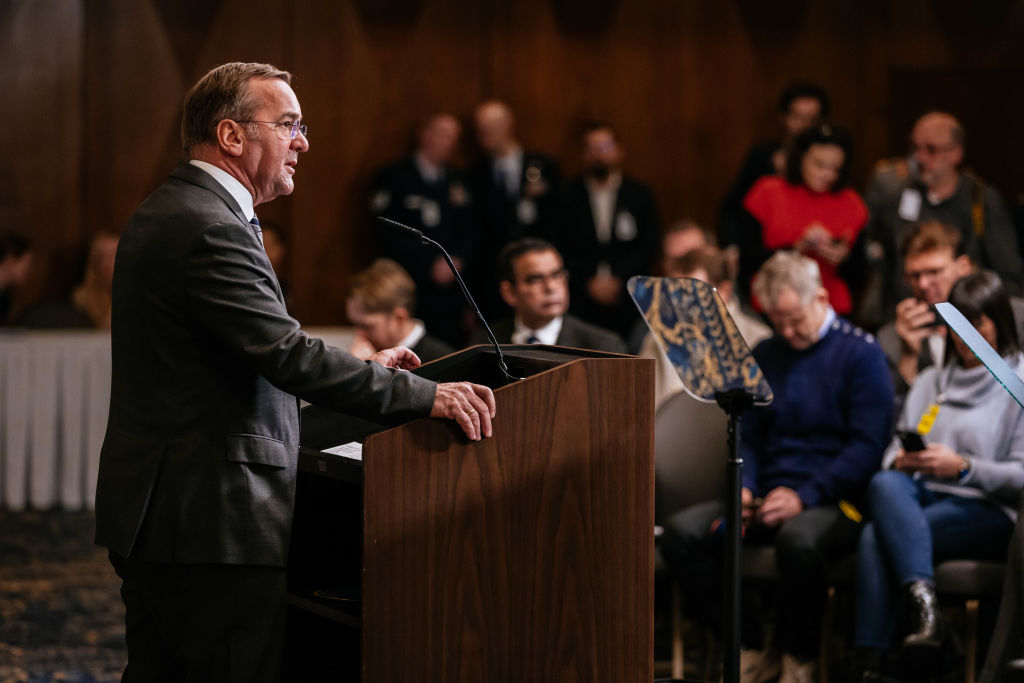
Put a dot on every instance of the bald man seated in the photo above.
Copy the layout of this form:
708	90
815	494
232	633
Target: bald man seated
516	193
932	185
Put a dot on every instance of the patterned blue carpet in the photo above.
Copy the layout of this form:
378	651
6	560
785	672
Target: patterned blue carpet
61	617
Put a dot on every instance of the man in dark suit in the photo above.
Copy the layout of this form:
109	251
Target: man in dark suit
535	284
423	191
380	305
515	193
609	233
197	470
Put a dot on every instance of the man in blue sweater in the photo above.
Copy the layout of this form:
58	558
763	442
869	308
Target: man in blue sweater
806	459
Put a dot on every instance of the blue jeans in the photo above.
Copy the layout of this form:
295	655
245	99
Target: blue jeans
912	529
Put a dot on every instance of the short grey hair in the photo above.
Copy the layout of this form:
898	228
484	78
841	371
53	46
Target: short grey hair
223	93
787	269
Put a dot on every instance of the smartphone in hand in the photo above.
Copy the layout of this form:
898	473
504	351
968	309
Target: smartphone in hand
911	441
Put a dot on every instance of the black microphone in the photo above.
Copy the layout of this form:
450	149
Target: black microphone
465	291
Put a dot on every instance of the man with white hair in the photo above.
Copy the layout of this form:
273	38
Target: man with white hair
806	457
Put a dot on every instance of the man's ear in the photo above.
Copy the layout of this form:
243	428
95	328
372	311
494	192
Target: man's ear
725	290
507	295
401	314
230	137
962	265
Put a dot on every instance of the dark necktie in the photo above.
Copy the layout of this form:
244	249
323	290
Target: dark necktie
255	223
533	339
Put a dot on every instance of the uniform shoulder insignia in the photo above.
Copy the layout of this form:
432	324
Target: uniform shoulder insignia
380	201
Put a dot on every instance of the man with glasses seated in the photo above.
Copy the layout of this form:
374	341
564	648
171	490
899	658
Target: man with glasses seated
933	260
535	283
932	185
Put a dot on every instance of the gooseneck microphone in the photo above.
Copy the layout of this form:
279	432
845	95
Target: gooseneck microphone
502	366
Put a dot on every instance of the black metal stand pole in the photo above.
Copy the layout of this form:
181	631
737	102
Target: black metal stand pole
733	402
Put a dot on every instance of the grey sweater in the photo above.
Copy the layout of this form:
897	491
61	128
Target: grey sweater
979	420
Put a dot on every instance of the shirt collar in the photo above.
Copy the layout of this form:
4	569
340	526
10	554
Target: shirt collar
231	184
830	317
547	334
428	171
413	338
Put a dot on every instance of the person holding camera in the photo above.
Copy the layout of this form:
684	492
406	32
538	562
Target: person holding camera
950	479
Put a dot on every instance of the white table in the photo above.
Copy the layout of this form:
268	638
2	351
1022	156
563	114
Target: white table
54	399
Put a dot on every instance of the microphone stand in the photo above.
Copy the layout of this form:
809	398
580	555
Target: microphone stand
502	365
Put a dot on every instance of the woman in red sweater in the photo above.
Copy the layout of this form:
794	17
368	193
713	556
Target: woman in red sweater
811	209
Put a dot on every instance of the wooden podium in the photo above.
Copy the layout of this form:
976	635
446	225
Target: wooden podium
524	557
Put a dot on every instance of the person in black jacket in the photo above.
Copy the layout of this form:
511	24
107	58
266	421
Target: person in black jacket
515	192
423	191
609	232
380	305
535	284
801	105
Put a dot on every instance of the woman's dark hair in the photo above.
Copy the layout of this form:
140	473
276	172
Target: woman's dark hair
982	293
822	134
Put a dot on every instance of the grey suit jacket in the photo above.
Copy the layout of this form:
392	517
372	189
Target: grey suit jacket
199	459
574	333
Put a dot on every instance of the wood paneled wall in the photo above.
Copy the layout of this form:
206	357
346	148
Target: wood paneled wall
91	118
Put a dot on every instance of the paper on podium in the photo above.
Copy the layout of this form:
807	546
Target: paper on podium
999	368
690	322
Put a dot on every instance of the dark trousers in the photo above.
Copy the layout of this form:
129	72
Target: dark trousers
202	622
805	547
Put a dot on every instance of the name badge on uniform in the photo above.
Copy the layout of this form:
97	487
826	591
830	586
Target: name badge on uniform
910	205
625	227
526	211
430	213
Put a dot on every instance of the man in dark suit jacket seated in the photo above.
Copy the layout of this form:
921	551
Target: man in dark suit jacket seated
380	305
535	283
198	466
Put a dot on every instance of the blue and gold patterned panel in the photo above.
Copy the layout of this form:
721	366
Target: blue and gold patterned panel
690	322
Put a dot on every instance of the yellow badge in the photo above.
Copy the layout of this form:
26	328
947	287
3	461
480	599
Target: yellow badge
924	425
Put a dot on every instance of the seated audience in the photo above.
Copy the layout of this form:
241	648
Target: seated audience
516	193
380	305
16	257
811	209
426	193
92	296
681	238
609	232
535	284
801	106
814	447
955	499
932	185
707	264
933	260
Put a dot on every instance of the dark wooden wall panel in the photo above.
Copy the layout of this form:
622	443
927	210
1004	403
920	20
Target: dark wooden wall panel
41	133
690	85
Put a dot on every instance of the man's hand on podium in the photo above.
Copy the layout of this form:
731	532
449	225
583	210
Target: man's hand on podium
471	405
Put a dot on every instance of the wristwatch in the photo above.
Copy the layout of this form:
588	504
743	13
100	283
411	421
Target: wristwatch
965	468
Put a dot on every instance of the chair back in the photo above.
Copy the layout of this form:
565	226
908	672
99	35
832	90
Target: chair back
690	453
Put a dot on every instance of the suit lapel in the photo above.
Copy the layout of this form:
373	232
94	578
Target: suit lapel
197	176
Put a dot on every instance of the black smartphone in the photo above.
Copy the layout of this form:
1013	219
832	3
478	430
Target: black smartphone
911	441
938	322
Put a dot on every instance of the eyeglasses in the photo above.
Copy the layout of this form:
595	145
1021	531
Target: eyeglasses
538	279
930	273
293	128
931	150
